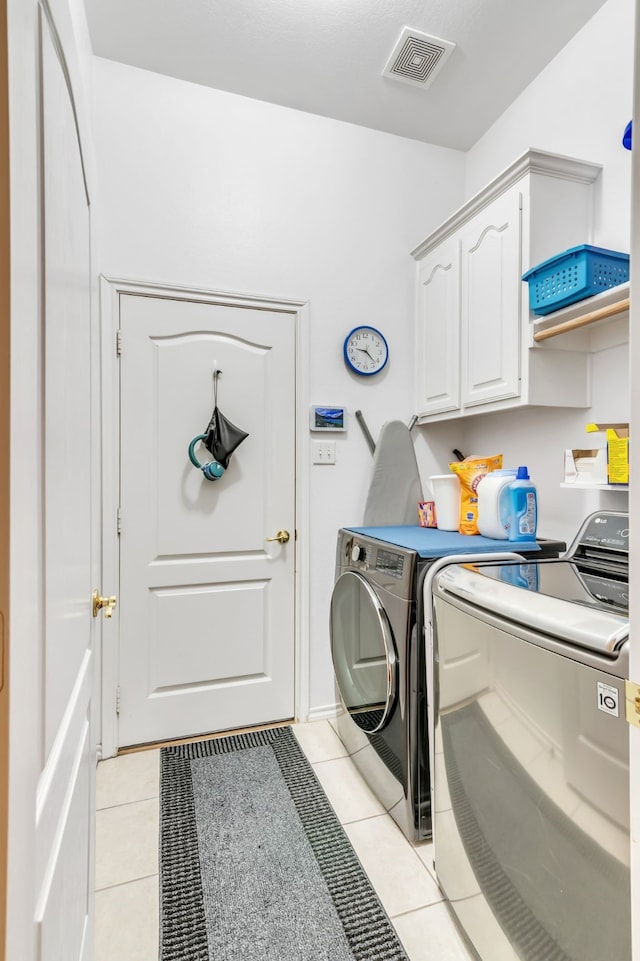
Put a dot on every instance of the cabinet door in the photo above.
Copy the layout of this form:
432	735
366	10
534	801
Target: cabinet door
438	347
490	302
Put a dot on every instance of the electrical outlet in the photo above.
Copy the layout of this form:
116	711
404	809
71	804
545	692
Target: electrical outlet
324	452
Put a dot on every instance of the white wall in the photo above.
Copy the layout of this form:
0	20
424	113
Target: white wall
538	437
579	106
203	188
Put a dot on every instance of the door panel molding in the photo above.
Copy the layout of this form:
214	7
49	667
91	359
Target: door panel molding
57	15
111	290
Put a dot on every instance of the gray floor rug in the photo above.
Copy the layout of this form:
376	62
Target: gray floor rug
254	864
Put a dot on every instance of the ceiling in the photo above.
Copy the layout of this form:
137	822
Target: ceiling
326	57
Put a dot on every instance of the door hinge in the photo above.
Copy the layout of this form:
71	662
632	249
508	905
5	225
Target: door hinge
118	697
119	521
632	702
118	342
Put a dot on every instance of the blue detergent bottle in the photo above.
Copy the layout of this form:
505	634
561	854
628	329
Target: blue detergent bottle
519	507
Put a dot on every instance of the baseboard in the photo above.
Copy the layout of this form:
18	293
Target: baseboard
134	748
322	713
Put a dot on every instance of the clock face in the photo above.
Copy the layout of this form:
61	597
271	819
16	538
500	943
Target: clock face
365	351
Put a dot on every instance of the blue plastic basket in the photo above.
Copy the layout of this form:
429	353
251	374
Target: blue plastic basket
573	275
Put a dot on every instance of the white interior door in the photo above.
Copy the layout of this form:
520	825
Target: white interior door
206	601
65	799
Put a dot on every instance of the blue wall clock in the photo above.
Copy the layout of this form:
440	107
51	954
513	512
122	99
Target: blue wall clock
366	351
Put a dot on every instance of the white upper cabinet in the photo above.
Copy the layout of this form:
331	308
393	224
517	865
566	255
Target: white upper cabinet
490	302
475	349
439	341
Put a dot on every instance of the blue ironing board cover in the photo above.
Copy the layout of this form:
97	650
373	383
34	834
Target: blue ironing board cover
431	542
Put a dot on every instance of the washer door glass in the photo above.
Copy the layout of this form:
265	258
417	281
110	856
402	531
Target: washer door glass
363	652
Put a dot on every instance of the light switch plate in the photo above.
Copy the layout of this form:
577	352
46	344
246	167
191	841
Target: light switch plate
323	452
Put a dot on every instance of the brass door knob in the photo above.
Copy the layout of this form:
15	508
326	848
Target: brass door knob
107	602
281	536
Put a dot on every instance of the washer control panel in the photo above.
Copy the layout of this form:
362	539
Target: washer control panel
607	531
602	544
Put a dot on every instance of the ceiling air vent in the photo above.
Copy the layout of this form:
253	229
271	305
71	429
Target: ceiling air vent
417	58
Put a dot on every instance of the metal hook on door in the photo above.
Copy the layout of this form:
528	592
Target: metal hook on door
215	373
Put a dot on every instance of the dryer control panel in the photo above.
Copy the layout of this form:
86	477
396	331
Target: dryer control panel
389	566
388	562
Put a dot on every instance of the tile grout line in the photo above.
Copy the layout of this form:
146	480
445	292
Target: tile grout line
367	817
122	884
327	760
122	804
422	907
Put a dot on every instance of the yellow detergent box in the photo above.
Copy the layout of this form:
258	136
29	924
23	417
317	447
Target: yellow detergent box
617	451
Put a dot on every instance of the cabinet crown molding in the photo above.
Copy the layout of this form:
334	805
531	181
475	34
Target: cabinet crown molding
532	161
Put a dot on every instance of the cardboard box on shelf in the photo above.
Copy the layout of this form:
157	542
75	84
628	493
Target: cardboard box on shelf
585	466
617	450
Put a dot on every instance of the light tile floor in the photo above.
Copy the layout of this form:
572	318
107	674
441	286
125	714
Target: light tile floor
127	855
